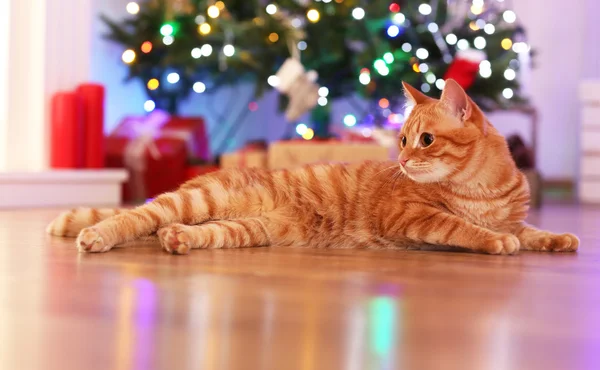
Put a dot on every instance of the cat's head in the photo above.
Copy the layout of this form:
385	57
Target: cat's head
439	136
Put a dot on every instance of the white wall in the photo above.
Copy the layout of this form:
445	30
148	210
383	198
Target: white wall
48	50
4	47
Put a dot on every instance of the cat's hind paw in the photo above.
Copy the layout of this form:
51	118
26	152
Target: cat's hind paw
89	240
503	244
174	239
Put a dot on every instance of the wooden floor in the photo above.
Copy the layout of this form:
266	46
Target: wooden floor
287	309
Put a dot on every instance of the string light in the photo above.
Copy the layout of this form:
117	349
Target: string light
462	44
485	69
480	23
323	91
302	45
128	56
301	129
204	28
440	84
310	133
153	84
168	40
200	19
384	71
415	68
379	63
367	132
220	5
425	9
393	30
149	106
206	50
213	11
133	8
313	15
166	30
349	120
271	9
430	77
478	2
423	68
406	47
253	106
508	93
146	47
479	42
399	18
196	53
476	9
273	37
322	101
473	26
384	103
228	50
358	13
509	16
173	77
489	29
451	39
426	88
388	57
433	27
199	87
422	53
520	47
506	44
394	8
510	74
297	22
273	81
364	78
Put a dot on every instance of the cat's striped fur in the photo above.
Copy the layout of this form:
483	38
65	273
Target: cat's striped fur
463	190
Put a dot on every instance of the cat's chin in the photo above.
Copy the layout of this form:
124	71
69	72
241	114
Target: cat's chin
424	176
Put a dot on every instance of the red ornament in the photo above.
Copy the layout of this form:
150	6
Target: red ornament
464	67
394	8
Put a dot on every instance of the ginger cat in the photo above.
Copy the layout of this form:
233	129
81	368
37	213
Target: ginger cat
455	184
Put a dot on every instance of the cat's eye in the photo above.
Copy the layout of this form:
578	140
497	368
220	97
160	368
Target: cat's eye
403	141
427	139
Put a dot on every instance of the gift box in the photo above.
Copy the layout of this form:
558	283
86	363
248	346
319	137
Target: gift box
290	154
254	154
190	130
156	159
194	171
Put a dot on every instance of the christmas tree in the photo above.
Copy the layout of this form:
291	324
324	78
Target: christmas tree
366	48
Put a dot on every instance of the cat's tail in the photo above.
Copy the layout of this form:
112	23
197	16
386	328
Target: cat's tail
70	223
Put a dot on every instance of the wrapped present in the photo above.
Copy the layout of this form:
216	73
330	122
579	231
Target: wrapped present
156	163
290	154
254	154
199	170
160	124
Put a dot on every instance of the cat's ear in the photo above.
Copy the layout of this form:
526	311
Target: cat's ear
414	96
455	101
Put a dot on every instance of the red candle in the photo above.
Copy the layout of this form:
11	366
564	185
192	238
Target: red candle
92	96
66	131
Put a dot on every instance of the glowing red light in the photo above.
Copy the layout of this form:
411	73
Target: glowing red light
365	70
394	8
253	106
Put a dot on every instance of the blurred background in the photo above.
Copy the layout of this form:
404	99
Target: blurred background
111	101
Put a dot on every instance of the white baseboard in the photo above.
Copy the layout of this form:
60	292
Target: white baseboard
61	188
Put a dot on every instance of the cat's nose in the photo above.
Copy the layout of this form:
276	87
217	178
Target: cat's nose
403	161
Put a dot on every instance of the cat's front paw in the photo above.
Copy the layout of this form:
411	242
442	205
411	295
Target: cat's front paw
174	239
555	243
90	240
502	244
